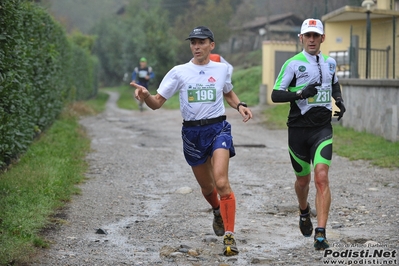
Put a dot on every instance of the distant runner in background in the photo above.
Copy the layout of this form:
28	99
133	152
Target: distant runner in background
141	75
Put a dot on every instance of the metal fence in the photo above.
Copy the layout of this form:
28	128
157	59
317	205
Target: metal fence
380	67
383	53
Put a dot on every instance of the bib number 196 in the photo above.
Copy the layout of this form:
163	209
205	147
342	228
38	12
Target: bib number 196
202	95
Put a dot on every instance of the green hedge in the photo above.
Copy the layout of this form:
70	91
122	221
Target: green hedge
40	70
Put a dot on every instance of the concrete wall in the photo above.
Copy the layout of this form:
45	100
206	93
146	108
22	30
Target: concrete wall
372	106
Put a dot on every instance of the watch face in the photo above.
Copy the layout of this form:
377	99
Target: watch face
299	92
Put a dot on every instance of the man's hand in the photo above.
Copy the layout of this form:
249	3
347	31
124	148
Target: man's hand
310	90
340	104
141	93
245	112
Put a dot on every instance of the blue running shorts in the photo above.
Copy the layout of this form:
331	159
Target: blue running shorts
199	142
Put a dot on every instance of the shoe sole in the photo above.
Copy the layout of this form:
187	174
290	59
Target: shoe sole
321	248
230	251
306	235
218	229
311	229
320	244
220	233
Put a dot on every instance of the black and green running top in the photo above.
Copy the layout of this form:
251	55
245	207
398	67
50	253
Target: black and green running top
298	72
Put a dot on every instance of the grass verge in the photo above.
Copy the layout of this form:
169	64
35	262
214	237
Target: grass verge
246	84
347	142
42	181
96	105
126	99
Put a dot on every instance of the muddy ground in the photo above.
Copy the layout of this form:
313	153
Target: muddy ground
141	205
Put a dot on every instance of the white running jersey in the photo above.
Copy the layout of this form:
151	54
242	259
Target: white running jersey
200	87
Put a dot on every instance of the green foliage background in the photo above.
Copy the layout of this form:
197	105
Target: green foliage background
40	70
123	39
146	30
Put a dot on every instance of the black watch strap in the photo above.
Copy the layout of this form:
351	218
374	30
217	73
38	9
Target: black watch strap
241	103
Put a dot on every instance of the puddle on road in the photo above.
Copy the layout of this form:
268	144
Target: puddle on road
120	243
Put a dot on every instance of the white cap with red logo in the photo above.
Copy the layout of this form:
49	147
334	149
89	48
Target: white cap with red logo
312	25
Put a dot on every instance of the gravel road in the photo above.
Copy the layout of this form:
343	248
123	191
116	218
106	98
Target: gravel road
141	205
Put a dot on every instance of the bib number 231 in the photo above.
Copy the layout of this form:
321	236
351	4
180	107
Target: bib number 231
323	96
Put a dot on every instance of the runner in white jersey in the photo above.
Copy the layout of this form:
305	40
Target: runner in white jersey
308	82
201	89
207	141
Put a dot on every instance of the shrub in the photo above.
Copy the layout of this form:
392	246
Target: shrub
38	68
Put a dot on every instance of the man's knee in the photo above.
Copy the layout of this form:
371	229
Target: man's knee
223	186
321	177
303	181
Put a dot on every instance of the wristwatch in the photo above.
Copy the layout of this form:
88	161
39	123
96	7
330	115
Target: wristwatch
241	103
299	93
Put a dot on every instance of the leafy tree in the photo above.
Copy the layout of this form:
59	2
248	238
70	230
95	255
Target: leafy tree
143	30
111	37
44	3
157	43
82	40
302	8
213	14
244	13
82	14
181	6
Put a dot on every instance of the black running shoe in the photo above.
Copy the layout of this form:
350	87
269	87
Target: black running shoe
230	247
305	224
320	240
218	226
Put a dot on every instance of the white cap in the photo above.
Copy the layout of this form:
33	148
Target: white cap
312	25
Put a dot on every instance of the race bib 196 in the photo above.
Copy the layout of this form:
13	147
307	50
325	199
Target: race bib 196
199	93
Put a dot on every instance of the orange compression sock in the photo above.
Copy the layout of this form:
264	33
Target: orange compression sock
228	211
213	199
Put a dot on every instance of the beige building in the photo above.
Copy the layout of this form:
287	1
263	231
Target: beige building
346	30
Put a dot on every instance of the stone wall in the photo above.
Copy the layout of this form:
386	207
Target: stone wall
372	106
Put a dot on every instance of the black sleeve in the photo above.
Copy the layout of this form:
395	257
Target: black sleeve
280	96
336	91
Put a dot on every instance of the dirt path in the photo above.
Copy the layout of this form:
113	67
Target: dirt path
140	190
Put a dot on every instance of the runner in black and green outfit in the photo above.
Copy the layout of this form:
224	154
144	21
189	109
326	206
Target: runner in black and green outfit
309	83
